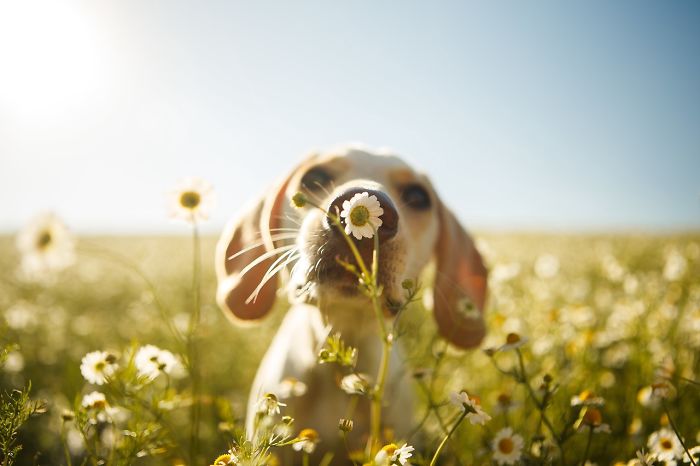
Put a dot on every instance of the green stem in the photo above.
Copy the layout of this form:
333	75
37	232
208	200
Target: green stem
588	446
540	407
678	434
447	437
66	452
192	347
305	459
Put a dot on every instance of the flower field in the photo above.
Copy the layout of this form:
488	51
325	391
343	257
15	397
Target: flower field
592	355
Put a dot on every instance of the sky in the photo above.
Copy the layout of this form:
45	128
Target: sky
548	115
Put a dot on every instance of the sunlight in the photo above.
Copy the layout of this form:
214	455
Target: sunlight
52	65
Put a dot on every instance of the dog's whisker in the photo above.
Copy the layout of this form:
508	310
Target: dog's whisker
281	258
264	257
262	243
267	278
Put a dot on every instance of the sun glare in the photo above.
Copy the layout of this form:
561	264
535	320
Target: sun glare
51	60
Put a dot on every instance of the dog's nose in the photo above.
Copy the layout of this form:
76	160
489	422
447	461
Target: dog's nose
390	217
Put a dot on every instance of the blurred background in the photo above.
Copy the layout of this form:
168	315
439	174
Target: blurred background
544	116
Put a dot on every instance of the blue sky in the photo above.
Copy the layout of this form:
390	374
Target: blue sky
527	115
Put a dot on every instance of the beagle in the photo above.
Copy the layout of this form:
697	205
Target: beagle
273	236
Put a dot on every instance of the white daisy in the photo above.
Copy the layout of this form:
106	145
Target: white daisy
192	200
97	366
694	452
355	384
290	386
269	404
507	447
94	400
587	398
472	405
513	340
46	247
391	455
151	361
361	214
665	445
307	440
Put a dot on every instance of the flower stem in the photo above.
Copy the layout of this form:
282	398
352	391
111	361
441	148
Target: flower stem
588	446
193	347
447	437
678	434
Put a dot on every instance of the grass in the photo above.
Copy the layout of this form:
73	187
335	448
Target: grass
599	311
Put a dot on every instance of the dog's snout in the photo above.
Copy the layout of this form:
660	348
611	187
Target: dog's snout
390	217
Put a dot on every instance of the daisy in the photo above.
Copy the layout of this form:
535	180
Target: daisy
98	366
507	447
592	417
46	247
695	453
587	398
269	404
307	440
472	405
151	361
505	403
94	400
513	340
665	445
391	455
192	200
226	459
290	387
361	214
355	384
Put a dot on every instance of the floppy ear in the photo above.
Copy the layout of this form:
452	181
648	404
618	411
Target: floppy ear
253	227
460	284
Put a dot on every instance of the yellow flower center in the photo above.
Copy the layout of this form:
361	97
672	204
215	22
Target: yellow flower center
506	445
359	215
99	404
389	449
593	417
190	199
512	338
666	444
99	367
44	239
222	459
585	395
308	434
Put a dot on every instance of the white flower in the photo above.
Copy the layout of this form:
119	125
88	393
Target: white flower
97	366
507	447
290	386
475	414
665	445
547	266
694	452
269	404
355	384
391	455
513	340
192	200
94	400
361	214
587	398
307	440
151	361
46	247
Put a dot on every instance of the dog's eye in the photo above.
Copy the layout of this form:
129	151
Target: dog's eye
416	197
315	179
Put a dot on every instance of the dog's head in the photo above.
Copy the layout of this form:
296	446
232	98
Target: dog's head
417	226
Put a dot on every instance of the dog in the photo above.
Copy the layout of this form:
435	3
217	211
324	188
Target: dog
272	234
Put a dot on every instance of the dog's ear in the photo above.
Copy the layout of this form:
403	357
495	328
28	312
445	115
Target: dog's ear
243	241
460	284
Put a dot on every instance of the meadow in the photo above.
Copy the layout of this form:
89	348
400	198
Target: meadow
592	355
